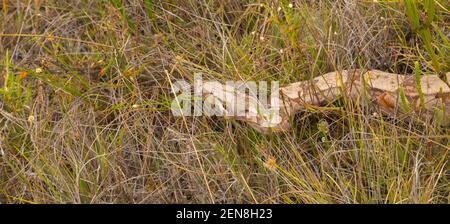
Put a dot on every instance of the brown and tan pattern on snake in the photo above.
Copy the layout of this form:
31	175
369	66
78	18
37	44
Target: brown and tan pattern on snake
392	94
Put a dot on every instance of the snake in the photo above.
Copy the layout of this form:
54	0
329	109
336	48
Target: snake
425	97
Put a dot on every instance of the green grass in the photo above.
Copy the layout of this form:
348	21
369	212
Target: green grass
86	94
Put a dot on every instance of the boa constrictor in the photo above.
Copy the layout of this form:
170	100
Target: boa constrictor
427	97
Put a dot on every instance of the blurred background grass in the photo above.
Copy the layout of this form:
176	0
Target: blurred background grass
85	102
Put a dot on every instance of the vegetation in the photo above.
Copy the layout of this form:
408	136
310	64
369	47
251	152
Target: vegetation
86	91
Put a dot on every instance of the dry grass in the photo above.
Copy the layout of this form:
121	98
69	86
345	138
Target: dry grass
85	99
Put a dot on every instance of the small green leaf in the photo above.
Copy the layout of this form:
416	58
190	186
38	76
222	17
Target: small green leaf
404	101
418	84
